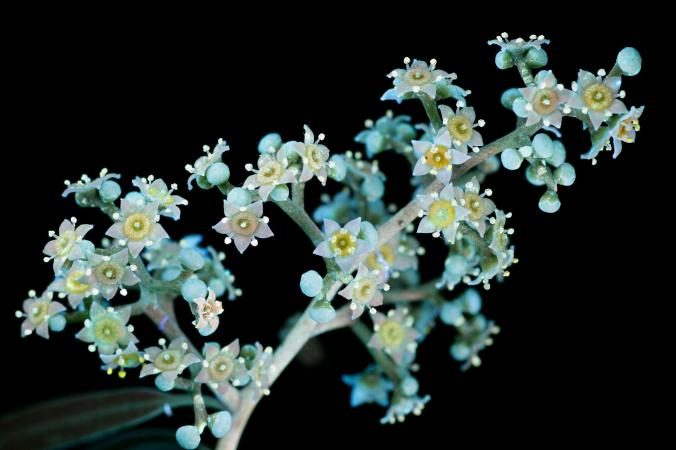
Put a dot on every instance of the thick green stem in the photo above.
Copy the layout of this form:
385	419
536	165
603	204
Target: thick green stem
297	214
432	111
525	72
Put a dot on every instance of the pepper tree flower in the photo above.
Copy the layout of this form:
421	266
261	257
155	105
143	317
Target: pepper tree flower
107	274
342	244
478	206
66	245
156	190
73	284
137	226
168	362
128	358
365	290
37	311
460	127
85	183
518	45
441	213
417	77
272	171
222	366
597	96
398	254
368	386
625	130
206	311
545	99
402	406
315	156
260	368
107	329
243	224
394	334
437	158
199	169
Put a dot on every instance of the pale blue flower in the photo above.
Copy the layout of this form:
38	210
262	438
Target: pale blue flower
73	284
168	362
418	77
479	207
273	170
315	156
129	358
106	330
137	226
222	367
342	243
156	190
365	290
402	406
441	213
369	386
67	245
260	368
36	313
545	100
395	335
597	97
108	273
85	184
437	158
625	129
460	127
243	224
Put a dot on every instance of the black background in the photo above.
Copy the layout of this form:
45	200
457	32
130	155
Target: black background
575	322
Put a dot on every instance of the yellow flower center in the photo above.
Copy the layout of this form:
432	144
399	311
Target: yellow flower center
137	226
109	273
244	223
545	101
65	242
343	243
438	157
364	289
108	330
221	367
418	76
162	196
460	128
386	252
73	284
314	156
38	312
392	334
597	97
441	213
475	204
270	172
168	360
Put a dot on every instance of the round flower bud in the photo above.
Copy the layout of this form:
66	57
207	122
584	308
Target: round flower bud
218	173
504	60
164	384
57	323
191	259
549	202
375	142
471	301
565	174
218	286
450	313
339	169
373	188
311	283
533	176
135	198
170	273
456	264
109	191
491	165
559	155
543	145
507	98
409	386
536	58
188	437
280	193
193	288
511	159
629	61
322	312
239	196
219	423
269	141
460	351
